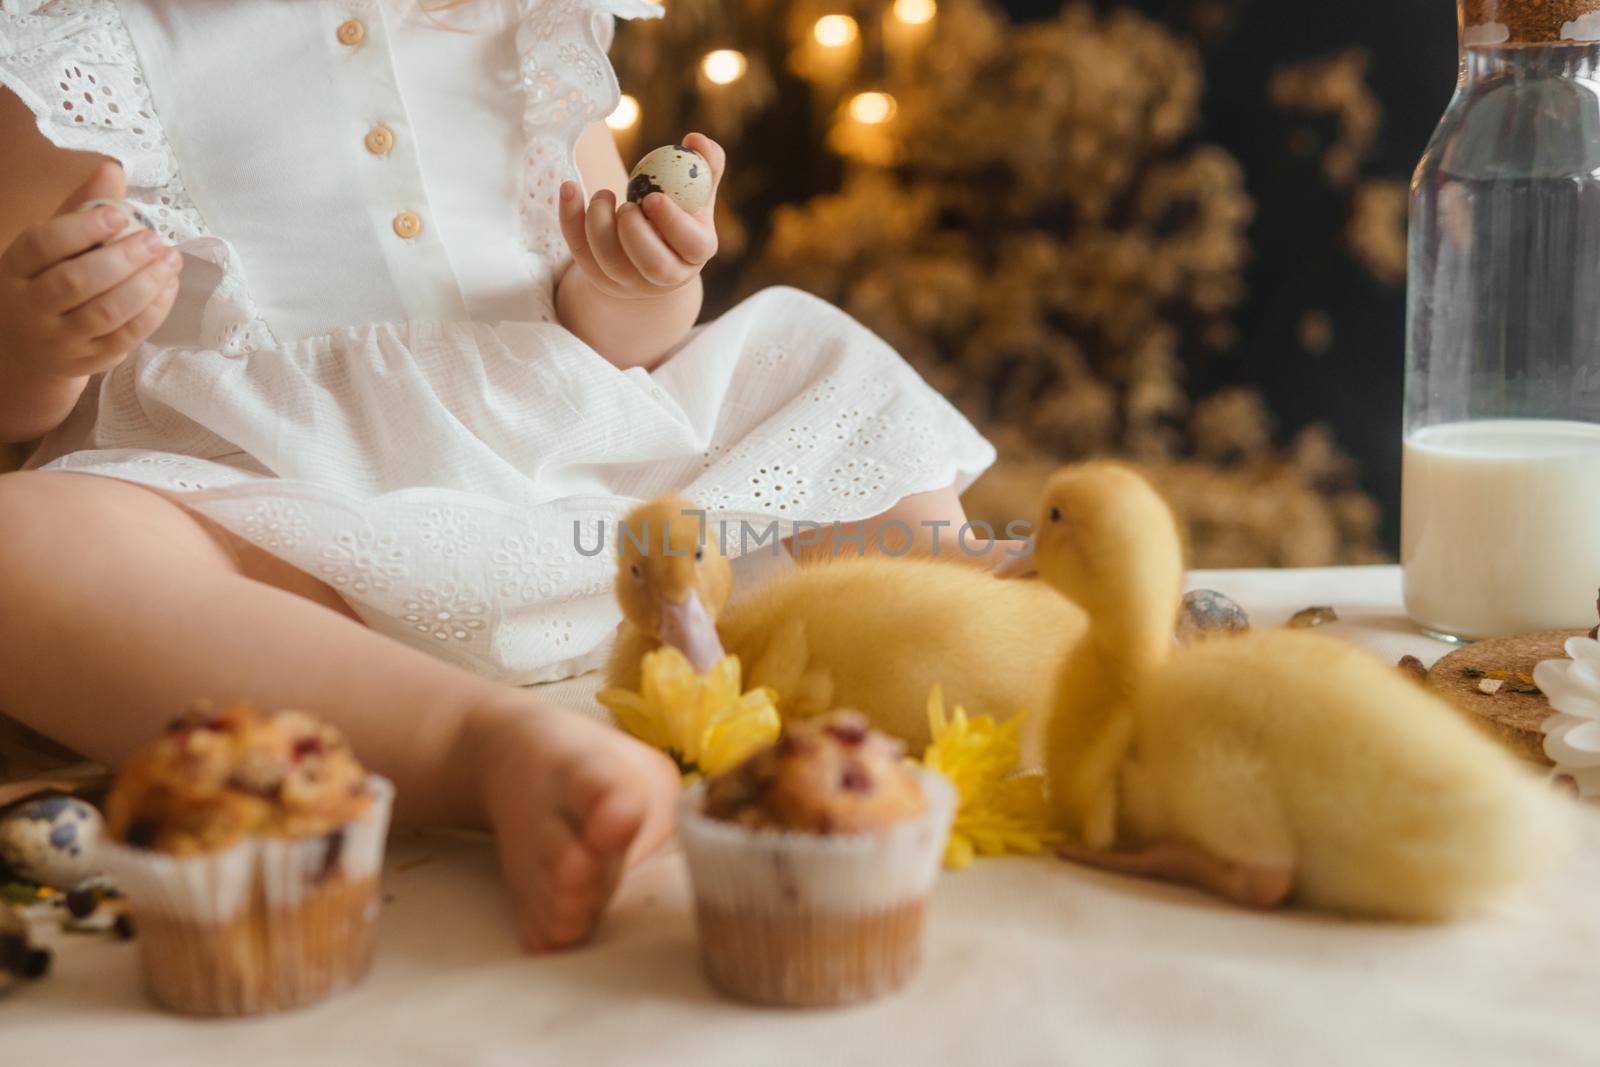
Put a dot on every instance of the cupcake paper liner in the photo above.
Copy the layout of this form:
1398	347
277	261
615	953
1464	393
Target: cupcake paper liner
267	924
810	920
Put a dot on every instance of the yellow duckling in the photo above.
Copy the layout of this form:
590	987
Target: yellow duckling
1264	767
872	633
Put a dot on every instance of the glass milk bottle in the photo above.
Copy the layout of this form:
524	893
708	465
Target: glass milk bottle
1501	500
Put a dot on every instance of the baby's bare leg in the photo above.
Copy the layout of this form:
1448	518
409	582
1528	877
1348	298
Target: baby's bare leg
121	608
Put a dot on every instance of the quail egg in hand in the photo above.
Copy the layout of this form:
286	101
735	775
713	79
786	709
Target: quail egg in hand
678	172
134	219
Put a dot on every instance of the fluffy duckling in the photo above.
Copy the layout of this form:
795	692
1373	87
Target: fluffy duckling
871	633
1264	767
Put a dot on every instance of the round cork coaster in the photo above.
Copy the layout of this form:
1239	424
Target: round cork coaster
1513	717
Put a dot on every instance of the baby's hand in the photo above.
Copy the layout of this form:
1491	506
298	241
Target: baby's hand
72	305
647	249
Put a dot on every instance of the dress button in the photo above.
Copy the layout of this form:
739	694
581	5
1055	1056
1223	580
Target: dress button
407	224
379	140
351	32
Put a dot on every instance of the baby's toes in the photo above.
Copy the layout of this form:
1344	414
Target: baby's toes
655	786
612	808
614	816
561	909
624	801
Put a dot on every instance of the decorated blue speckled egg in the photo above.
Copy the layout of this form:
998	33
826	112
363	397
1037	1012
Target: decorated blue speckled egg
51	840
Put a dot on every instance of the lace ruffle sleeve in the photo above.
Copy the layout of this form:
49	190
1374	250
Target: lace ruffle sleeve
73	63
569	84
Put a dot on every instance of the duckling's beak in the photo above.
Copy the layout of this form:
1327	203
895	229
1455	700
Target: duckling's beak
688	627
1023	566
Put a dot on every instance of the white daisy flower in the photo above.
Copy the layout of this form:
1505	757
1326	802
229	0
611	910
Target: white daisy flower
1572	735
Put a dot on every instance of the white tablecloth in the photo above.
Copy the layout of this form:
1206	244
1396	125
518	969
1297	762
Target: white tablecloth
1031	961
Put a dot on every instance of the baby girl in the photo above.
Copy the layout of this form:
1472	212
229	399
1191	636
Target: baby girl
331	436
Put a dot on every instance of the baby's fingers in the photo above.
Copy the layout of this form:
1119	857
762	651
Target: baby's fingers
69	232
47	244
715	156
600	229
692	238
84	278
573	229
122	303
136	331
658	264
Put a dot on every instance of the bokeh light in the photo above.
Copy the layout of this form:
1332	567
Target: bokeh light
915	12
835	31
724	66
872	108
626	114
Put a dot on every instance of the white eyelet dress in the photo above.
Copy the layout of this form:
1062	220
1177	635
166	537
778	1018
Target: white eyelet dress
364	374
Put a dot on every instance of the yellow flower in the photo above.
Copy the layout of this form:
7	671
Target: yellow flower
1000	810
703	721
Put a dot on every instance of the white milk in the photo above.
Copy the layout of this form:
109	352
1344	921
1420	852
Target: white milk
1500	526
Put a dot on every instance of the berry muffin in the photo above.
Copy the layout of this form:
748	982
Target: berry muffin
249	847
832	775
812	863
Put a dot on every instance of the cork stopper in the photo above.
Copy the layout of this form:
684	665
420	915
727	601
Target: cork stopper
1502	22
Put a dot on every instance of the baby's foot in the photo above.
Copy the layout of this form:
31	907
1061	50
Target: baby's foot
572	804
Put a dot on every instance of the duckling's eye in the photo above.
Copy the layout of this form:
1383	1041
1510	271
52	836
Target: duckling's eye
1055	514
633	568
699	554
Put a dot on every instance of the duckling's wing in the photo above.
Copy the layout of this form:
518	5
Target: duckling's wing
804	688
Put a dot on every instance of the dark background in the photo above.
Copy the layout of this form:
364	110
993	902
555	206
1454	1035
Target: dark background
1355	386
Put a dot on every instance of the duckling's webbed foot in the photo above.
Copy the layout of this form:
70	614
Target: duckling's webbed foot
1247	885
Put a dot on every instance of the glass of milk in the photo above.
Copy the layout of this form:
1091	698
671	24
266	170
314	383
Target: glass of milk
1501	500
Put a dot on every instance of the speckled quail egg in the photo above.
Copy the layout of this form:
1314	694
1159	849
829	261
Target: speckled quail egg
681	173
134	219
1207	613
51	841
